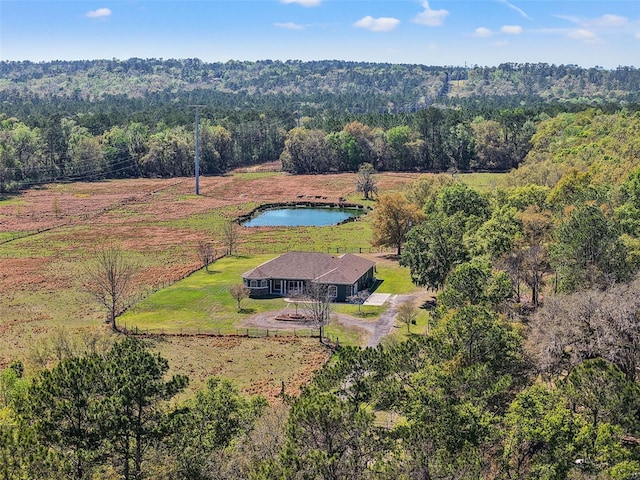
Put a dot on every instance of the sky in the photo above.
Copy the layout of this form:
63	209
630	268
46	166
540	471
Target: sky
436	32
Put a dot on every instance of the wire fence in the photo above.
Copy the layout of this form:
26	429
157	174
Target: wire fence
277	249
250	332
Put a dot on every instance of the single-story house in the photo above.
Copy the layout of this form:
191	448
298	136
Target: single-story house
291	273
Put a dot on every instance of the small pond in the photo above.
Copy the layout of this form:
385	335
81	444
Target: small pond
302	217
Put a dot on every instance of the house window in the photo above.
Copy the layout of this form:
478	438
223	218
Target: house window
295	287
253	284
332	291
264	283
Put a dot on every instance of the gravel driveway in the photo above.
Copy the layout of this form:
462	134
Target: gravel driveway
375	330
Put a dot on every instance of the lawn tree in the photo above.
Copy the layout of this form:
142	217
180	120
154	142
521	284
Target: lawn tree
207	254
393	217
231	235
365	181
318	305
359	299
407	314
109	279
239	292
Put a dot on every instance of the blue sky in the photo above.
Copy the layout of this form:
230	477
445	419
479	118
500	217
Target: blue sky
445	32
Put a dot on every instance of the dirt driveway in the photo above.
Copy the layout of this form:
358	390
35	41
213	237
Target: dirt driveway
374	329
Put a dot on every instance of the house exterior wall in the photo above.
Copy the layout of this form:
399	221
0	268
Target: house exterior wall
275	286
343	292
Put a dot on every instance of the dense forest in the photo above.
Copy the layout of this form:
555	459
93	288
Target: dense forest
529	368
112	119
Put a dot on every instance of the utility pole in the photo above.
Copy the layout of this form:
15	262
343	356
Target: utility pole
197	107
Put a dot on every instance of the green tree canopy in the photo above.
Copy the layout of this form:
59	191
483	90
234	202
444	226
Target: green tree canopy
433	248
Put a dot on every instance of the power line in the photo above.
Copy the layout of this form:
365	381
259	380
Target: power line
197	107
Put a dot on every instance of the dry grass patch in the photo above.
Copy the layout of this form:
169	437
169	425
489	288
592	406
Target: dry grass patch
258	366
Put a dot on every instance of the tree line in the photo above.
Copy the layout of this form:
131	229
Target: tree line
64	148
97	119
376	87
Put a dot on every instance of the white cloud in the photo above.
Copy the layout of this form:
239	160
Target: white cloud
511	29
605	21
609	21
304	3
637	35
513	7
289	26
482	32
584	35
381	24
431	18
99	13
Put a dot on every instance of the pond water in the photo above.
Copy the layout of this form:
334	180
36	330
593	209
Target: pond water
302	217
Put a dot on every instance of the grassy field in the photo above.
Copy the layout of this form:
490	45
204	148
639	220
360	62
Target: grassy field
483	182
159	223
201	302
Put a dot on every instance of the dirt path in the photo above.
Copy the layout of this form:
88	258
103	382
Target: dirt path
375	330
386	321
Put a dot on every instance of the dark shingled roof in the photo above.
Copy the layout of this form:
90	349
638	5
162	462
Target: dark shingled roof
321	267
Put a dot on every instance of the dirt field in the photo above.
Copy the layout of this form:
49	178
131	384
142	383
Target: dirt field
52	231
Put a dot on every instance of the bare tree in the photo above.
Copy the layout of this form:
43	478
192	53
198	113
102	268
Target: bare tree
318	305
365	181
109	279
569	329
239	292
359	298
407	314
230	234
207	254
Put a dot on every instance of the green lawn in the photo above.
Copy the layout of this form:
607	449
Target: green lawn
201	303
